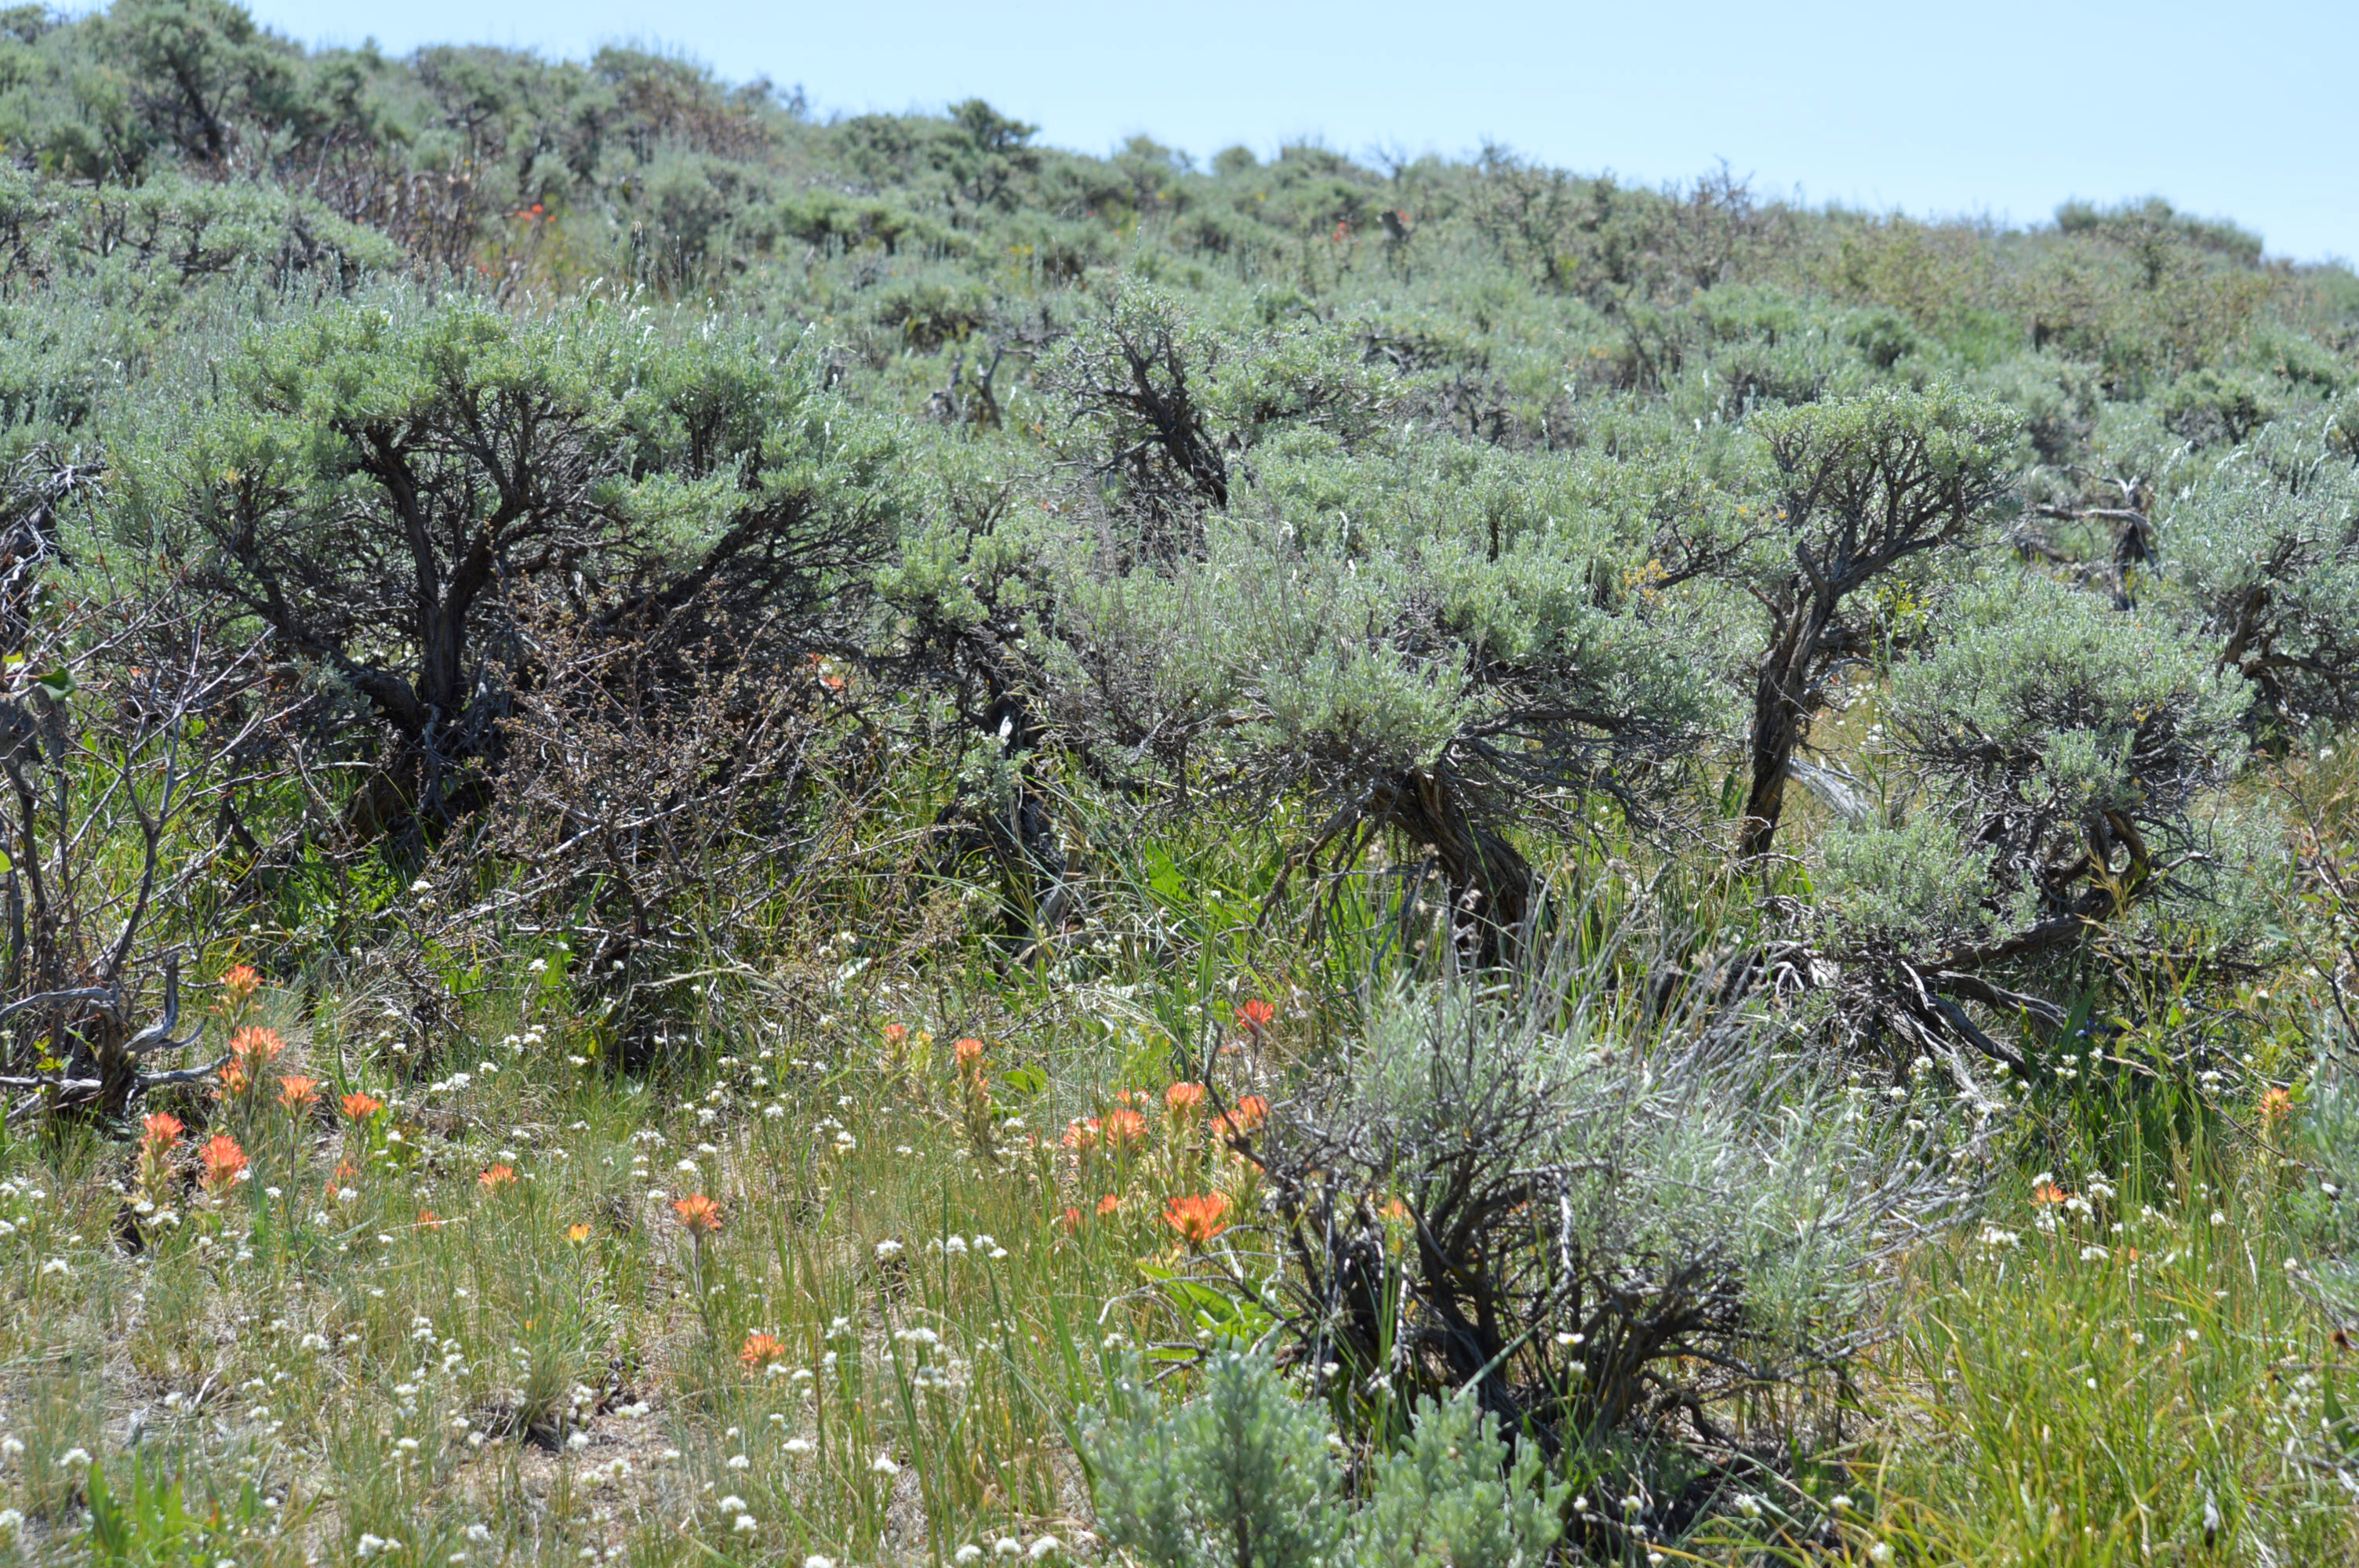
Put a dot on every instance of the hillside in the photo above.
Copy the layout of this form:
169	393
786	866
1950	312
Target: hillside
730	835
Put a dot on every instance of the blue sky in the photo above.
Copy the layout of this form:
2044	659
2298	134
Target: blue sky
2005	108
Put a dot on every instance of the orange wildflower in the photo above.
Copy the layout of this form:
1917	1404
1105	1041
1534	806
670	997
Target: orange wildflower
1108	1205
576	1234
429	1220
1395	1212
159	1134
296	1092
495	1177
240	983
1070	1219
761	1350
224	1163
1117	1130
1251	1112
970	1054
896	1033
1122	1128
2276	1105
256	1046
1197	1219
361	1107
699	1214
1256	1014
2049	1193
251	1051
1183	1100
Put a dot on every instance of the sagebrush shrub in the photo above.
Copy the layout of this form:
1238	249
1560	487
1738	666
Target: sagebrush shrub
1242	1476
1606	1230
735	601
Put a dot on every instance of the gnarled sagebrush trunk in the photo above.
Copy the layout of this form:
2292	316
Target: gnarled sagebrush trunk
1490	882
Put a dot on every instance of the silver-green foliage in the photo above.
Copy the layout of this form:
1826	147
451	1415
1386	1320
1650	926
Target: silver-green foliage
2263	553
1594	1216
2068	755
1449	1497
1239	1476
1366	614
1244	1476
1909	887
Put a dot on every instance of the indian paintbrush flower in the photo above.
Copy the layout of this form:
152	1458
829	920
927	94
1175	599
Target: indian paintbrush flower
1198	1219
224	1163
239	983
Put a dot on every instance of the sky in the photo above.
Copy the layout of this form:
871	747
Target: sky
2002	108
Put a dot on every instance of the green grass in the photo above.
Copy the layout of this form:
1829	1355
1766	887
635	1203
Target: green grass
364	1343
379	1337
2140	1382
367	1350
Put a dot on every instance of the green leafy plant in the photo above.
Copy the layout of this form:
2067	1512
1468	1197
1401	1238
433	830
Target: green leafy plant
1243	1472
